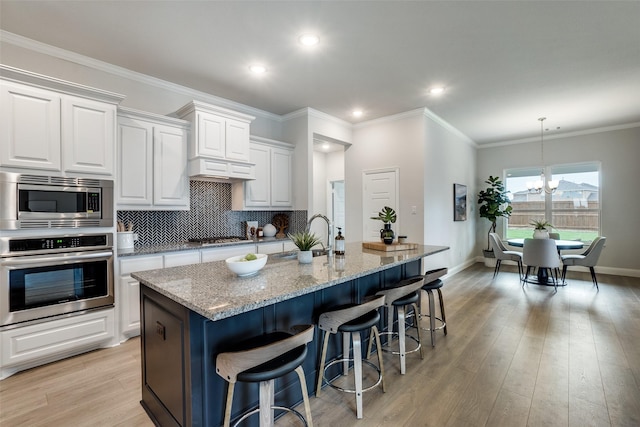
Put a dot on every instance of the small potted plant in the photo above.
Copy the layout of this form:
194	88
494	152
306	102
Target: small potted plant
541	228
494	203
304	240
388	216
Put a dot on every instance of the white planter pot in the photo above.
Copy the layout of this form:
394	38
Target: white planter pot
490	262
540	234
305	257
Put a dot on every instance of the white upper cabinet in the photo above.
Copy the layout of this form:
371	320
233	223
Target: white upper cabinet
30	126
152	162
219	143
272	186
52	125
88	135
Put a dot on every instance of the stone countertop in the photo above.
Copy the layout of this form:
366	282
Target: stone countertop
213	291
187	246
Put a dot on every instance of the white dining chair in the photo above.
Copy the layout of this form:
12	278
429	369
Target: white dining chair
542	253
588	258
502	253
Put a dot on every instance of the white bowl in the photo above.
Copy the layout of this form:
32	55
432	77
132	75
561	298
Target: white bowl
246	268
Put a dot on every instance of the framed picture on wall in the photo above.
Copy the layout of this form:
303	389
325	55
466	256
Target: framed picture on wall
459	202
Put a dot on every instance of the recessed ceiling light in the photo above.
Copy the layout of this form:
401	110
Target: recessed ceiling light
326	146
357	113
309	39
258	69
436	90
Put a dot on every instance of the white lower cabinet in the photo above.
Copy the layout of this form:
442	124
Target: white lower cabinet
128	292
288	246
28	346
270	247
222	253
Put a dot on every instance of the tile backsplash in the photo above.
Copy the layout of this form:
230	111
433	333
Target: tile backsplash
210	216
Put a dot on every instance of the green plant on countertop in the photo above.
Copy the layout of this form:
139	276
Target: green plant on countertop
541	225
386	215
304	240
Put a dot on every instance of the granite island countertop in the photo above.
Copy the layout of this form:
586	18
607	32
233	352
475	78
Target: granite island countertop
213	291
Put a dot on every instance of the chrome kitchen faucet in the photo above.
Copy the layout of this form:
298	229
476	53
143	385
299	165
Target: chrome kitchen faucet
329	231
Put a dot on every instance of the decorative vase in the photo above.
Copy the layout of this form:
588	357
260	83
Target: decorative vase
387	234
305	257
540	234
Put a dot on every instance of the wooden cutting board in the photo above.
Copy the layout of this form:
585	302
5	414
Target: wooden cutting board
381	246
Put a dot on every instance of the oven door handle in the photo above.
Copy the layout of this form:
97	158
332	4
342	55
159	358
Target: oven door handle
63	258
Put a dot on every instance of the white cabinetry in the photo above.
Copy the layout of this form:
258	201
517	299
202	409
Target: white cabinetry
52	125
128	293
152	162
88	130
28	346
272	187
219	143
222	253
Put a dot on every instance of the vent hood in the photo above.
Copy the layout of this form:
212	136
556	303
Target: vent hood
203	169
219	142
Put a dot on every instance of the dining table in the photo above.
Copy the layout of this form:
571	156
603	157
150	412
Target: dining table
561	245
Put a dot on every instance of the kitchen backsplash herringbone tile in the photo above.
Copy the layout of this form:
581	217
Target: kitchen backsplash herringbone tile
210	216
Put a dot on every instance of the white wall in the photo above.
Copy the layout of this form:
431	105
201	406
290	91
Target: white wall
449	159
431	157
619	153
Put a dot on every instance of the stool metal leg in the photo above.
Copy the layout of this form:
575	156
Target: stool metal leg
401	341
357	371
346	347
432	318
305	395
444	317
416	322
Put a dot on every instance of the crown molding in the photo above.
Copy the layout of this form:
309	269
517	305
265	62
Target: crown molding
448	127
392	118
76	58
310	112
561	135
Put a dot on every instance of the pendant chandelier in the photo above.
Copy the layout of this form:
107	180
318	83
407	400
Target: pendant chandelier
548	186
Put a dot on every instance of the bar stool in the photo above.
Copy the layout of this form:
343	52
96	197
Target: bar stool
261	360
350	321
400	296
431	283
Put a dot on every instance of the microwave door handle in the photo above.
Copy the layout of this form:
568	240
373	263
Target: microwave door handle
62	258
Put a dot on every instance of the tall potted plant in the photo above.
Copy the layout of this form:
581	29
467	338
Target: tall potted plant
494	203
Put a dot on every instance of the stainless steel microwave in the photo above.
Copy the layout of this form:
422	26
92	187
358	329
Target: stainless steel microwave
36	202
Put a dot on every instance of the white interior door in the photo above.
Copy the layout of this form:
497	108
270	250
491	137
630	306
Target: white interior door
380	189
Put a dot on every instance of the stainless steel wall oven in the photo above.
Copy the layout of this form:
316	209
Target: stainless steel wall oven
48	276
35	201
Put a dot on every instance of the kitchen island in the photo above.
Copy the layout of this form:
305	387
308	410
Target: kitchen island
189	314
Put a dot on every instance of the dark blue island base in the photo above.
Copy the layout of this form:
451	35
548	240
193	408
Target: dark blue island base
179	384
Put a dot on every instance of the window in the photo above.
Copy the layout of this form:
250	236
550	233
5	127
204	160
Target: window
573	209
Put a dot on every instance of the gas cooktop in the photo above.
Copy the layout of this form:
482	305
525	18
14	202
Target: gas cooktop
215	240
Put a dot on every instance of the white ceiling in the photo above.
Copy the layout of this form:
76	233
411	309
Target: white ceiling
504	64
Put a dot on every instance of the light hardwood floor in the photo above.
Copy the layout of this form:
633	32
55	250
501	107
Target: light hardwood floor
514	356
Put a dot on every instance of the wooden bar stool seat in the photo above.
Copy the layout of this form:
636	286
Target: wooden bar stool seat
261	360
403	294
351	321
433	282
